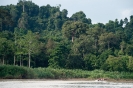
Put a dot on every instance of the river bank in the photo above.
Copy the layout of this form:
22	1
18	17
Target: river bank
74	79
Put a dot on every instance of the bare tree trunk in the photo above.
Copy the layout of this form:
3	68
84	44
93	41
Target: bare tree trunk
96	45
1	24
72	38
15	51
108	46
14	59
29	58
122	48
20	60
3	60
23	5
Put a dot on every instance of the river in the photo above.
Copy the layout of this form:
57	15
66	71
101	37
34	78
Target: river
62	84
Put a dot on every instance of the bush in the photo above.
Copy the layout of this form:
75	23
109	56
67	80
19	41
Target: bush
16	72
60	73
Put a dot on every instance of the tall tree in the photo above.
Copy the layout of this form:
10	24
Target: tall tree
108	40
5	20
110	26
31	45
95	32
80	16
74	29
23	21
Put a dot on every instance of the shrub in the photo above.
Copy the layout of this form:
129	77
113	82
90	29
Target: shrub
16	72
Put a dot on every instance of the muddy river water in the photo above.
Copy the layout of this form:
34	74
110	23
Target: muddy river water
62	84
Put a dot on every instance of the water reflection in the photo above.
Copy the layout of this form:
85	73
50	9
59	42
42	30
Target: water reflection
63	84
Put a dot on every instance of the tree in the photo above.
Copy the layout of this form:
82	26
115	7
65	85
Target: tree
6	46
125	21
116	63
80	16
83	45
122	48
44	11
74	61
73	29
31	45
20	49
58	24
129	50
5	19
108	40
130	64
5	49
91	62
14	16
95	32
121	22
64	13
103	57
110	26
18	45
50	46
23	21
58	56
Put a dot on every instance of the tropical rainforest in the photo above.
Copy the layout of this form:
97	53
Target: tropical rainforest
44	36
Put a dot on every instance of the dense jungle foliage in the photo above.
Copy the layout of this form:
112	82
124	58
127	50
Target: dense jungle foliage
44	36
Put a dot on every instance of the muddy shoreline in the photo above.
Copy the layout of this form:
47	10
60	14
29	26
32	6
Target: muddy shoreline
73	79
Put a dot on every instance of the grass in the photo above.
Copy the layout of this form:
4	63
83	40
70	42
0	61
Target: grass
16	72
60	73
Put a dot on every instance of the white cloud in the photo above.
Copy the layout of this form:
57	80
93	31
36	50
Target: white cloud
126	13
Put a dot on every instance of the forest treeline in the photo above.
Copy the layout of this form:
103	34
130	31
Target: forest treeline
44	36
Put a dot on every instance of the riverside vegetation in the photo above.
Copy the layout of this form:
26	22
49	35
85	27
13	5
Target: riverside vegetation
17	72
50	44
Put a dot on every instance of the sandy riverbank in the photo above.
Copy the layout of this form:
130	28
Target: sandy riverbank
73	79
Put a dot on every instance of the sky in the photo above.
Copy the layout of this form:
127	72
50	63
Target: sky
97	10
